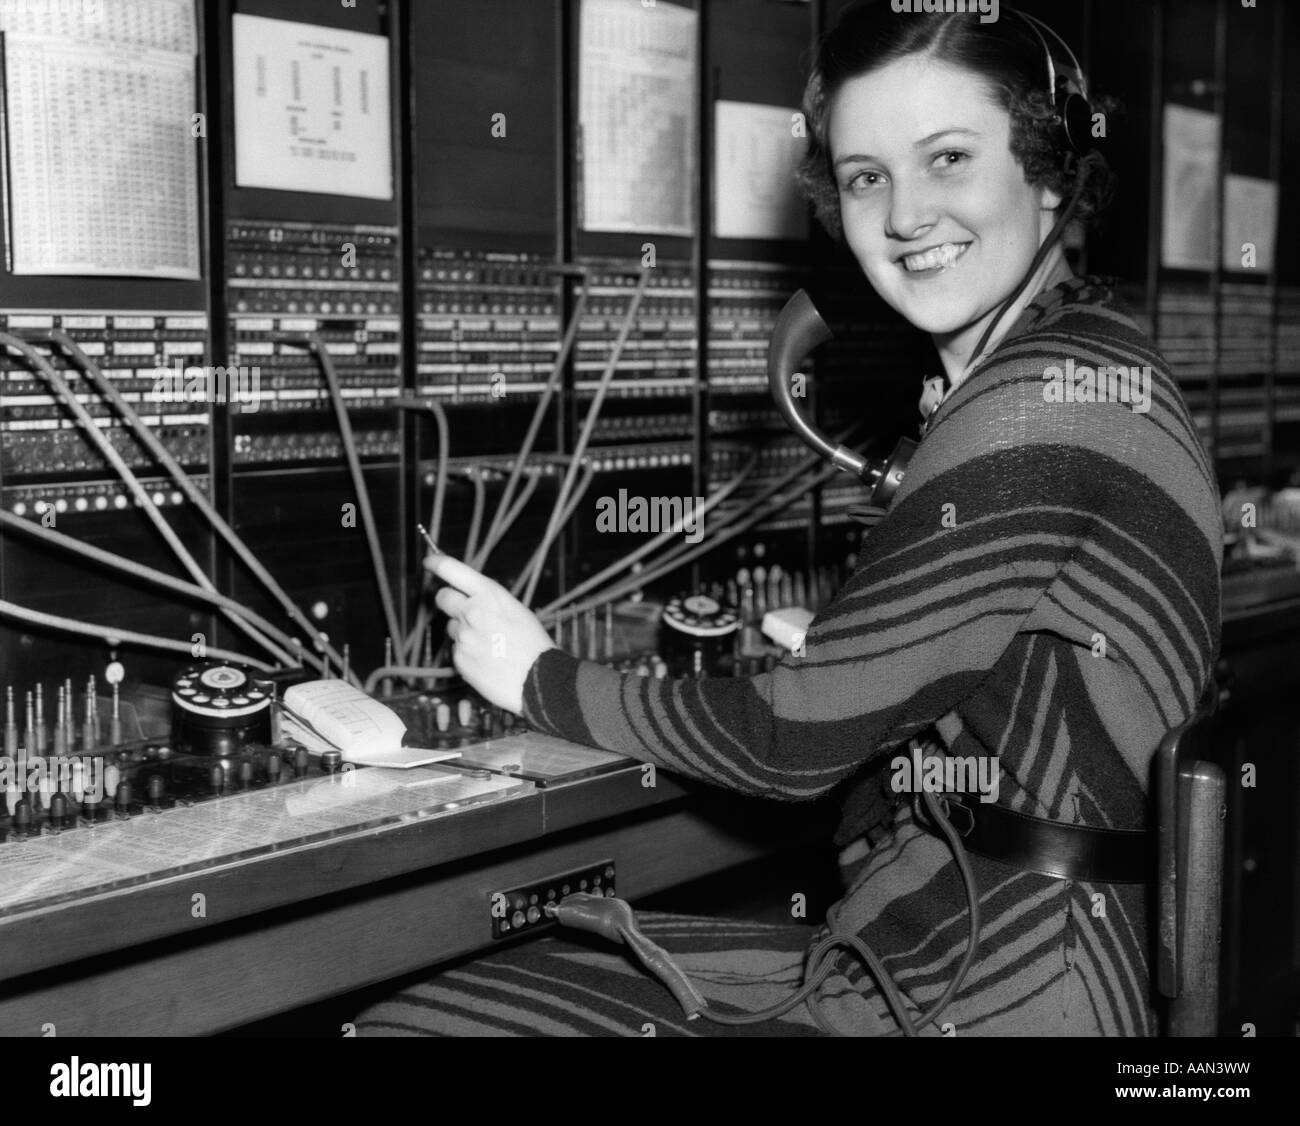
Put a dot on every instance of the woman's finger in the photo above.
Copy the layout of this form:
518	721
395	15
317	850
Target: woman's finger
457	574
451	602
453	629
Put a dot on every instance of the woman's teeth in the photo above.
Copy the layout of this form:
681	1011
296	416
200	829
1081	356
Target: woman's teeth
940	257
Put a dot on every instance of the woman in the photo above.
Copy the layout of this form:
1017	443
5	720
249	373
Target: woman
1044	591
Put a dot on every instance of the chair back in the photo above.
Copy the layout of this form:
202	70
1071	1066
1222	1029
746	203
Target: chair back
1190	794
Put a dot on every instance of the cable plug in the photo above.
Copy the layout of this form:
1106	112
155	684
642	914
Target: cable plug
614	919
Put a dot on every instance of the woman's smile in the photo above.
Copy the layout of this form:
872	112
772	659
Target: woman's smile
934	261
933	203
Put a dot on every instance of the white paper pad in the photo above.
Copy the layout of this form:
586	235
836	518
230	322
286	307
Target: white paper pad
401	759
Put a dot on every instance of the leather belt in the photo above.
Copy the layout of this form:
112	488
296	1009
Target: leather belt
1052	848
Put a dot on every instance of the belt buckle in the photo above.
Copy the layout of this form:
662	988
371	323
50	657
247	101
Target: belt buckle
964	821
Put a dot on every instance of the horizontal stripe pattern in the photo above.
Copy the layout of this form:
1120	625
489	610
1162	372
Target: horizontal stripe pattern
1044	588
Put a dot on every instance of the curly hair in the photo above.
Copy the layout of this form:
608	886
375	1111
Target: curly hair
1006	54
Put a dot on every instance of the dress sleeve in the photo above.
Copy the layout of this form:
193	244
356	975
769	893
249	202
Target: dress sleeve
989	514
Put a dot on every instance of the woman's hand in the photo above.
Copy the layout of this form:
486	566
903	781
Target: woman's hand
496	637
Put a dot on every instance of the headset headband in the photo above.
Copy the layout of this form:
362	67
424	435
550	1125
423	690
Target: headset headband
1080	78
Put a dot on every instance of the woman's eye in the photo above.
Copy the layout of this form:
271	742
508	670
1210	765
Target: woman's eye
951	158
863	180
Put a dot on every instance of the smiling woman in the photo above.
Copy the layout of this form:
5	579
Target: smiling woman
1043	594
946	221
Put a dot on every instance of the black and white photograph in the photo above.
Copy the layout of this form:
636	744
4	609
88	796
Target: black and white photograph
634	519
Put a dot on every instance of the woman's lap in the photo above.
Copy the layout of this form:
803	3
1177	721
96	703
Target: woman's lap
577	985
1051	962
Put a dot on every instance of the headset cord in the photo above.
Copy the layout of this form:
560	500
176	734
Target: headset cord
1053	236
614	919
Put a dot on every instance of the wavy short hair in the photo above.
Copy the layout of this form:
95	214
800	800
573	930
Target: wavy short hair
1006	54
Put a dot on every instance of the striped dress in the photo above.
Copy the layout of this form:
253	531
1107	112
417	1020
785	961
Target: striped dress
1044	589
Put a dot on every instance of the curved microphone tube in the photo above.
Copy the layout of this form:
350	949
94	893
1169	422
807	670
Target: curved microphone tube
798	331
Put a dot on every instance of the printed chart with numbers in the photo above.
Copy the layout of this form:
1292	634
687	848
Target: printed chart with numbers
636	107
101	159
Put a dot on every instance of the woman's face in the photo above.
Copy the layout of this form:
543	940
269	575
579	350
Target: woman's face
935	208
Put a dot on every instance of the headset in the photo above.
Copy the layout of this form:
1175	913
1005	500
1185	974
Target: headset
1068	94
1067	90
799	328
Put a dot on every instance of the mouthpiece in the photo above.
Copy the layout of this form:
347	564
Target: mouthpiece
798	331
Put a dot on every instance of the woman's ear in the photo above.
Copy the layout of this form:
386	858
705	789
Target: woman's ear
1048	199
1049	203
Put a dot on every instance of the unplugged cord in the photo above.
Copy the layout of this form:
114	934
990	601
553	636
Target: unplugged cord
494	537
411	648
147	438
634	556
679	557
407	672
116	636
613	919
318	348
681	554
106	449
538	558
158	578
584	436
495	529
478	480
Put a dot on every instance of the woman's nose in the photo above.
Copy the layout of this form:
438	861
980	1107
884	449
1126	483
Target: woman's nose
912	211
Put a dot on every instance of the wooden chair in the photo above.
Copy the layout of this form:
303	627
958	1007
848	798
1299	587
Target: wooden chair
1190	794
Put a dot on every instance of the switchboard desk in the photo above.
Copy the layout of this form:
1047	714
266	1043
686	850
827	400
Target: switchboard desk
239	934
260	921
